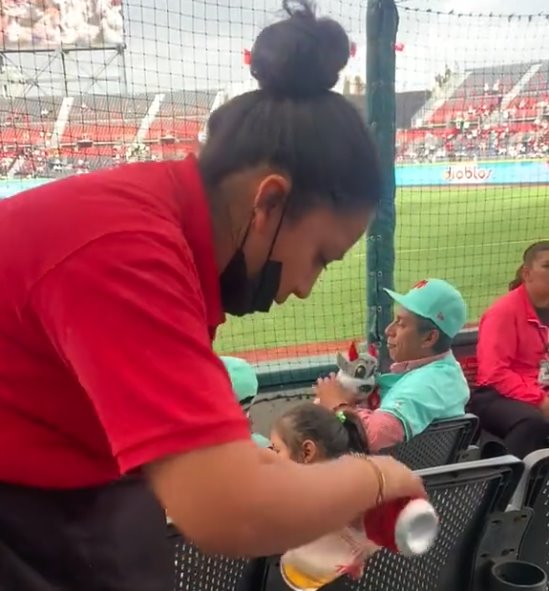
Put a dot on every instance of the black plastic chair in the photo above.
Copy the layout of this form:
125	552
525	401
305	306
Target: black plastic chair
196	571
466	496
533	493
443	442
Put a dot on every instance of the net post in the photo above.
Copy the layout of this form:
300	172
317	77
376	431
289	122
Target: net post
381	29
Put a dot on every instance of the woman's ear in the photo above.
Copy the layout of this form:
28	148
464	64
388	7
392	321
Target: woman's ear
309	451
270	198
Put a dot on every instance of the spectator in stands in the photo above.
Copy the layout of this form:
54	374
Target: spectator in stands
425	383
309	433
107	314
245	385
512	401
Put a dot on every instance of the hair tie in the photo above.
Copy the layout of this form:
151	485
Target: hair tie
341	416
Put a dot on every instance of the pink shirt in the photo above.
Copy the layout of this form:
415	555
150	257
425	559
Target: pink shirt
512	342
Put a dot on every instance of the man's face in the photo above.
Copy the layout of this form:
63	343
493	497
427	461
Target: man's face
404	340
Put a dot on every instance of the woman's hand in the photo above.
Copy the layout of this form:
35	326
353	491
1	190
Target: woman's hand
331	394
400	481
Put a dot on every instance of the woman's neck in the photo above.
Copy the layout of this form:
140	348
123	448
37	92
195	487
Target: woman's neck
539	302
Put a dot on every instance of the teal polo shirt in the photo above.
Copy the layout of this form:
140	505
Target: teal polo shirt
437	390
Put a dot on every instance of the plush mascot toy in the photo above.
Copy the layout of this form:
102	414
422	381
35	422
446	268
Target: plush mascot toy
357	372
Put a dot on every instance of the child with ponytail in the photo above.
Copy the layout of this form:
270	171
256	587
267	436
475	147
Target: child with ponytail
310	433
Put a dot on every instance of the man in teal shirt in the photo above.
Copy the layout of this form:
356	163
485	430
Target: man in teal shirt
425	383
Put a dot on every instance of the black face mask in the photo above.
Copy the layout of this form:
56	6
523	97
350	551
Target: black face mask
241	294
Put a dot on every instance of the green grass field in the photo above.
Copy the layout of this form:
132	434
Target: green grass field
472	236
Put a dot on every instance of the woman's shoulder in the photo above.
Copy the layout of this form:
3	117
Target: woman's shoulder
509	304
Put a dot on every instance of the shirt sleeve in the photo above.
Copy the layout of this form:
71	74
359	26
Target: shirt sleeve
496	348
382	429
126	315
415	403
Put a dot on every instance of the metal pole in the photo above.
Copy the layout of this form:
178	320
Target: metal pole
65	76
381	29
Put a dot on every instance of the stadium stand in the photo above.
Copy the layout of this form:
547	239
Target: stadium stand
486	112
493	112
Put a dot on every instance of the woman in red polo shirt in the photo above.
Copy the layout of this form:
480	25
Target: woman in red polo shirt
513	359
113	284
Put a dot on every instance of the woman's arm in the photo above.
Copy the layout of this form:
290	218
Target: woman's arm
237	500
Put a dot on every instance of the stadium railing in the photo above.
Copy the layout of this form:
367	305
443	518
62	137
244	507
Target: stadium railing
293	373
533	493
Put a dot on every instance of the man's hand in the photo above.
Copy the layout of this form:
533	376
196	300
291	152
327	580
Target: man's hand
331	394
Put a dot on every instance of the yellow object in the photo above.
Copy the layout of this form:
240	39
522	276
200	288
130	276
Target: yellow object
303	582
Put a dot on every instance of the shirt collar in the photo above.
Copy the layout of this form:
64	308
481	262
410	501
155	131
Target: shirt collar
405	366
531	314
197	227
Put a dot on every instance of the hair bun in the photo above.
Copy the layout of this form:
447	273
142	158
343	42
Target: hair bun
300	56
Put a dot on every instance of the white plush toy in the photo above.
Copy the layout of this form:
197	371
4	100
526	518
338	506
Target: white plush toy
357	371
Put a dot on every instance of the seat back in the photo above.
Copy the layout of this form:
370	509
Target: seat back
464	495
196	571
533	493
440	444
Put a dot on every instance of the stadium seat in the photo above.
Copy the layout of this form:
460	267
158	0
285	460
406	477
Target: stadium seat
442	443
533	493
195	571
466	497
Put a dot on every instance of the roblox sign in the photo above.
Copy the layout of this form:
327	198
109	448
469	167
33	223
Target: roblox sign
466	173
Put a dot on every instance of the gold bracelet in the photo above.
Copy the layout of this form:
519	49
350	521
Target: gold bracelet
381	482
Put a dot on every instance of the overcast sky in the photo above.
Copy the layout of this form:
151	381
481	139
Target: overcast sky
174	44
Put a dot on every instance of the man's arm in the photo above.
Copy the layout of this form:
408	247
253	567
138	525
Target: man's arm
382	429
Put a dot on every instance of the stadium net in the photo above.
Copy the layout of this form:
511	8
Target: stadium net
86	84
472	147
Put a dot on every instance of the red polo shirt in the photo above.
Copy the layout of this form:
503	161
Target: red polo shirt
511	344
109	300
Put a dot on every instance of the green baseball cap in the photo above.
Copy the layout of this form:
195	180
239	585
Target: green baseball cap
245	386
243	378
261	440
436	300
